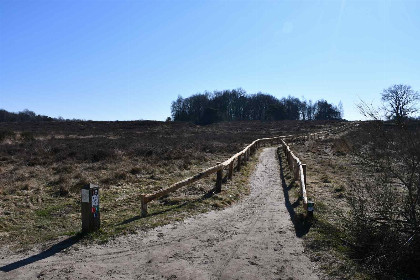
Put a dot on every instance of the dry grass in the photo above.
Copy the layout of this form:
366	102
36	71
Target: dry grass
44	165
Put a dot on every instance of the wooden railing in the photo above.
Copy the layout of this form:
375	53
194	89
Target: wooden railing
239	159
299	174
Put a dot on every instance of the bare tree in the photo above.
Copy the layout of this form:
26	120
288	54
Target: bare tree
400	102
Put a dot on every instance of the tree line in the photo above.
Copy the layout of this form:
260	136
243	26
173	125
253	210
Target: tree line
23	116
237	105
28	116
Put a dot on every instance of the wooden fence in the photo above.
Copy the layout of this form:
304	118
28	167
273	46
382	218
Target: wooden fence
232	164
235	162
299	174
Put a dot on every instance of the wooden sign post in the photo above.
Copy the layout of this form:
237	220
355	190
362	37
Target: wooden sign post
90	208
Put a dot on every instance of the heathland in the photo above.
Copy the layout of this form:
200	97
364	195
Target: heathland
364	182
44	165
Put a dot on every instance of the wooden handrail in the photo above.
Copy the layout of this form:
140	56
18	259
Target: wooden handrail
299	174
239	157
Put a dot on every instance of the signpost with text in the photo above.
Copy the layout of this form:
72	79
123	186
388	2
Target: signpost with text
90	208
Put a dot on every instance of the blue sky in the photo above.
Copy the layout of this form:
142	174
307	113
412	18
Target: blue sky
128	60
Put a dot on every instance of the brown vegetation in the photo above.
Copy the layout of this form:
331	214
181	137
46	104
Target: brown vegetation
44	165
366	189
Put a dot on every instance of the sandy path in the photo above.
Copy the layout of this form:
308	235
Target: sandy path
254	239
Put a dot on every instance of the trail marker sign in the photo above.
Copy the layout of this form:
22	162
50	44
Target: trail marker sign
90	208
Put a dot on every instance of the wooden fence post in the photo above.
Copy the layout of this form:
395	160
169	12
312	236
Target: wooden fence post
304	173
230	172
219	181
143	202
238	167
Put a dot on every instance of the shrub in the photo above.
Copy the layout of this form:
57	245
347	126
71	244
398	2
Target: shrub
27	136
5	134
384	222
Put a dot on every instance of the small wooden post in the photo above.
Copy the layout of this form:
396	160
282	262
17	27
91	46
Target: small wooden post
230	172
90	208
304	173
219	181
238	167
143	201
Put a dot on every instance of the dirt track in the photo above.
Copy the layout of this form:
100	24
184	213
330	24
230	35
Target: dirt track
254	239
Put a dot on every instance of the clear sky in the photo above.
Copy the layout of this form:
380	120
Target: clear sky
128	60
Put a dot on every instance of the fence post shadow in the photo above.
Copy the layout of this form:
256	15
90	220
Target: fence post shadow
301	222
205	196
54	249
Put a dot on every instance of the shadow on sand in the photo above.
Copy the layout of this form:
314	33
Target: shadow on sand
301	222
205	196
74	239
44	254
